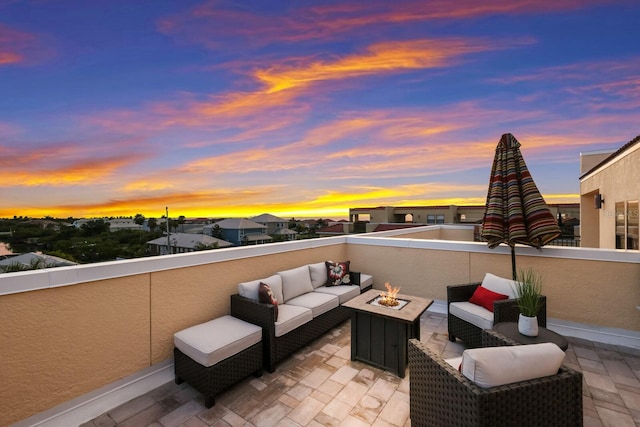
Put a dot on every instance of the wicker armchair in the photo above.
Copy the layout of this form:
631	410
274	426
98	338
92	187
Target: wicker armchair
441	396
503	311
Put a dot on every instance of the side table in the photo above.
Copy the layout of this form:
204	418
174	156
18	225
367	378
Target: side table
510	330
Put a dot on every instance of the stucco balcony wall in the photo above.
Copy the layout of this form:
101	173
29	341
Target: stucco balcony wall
70	331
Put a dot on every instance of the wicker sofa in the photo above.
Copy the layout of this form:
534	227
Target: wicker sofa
466	321
440	395
300	317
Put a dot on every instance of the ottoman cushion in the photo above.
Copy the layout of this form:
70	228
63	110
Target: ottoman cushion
209	343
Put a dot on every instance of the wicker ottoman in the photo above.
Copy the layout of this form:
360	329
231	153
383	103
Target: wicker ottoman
215	355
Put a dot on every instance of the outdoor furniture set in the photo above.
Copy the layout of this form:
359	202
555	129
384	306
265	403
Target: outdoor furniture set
270	319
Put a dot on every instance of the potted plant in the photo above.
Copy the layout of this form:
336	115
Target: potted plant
528	290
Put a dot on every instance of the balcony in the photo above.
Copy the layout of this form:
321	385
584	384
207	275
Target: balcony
80	341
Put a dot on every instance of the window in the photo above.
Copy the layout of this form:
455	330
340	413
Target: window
632	225
431	219
440	219
620	229
627	225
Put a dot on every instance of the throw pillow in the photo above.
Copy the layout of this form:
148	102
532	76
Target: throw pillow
338	273
266	296
485	298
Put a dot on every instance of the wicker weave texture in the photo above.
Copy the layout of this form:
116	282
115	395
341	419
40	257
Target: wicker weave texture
213	379
278	348
441	396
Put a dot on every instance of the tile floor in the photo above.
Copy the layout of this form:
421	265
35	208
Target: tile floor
321	386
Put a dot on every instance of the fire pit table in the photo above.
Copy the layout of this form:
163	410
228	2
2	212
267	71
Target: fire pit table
379	333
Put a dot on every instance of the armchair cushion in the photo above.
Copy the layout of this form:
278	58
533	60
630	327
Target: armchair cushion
500	285
472	313
494	366
485	297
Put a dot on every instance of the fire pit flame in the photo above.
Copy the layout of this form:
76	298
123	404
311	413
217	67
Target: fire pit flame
389	298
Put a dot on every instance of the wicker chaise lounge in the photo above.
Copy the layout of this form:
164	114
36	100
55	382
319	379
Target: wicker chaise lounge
440	395
503	311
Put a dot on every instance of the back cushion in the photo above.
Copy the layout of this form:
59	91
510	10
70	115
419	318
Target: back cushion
250	289
494	366
318	274
500	285
295	282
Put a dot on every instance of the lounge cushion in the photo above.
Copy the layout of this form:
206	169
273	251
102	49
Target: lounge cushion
318	274
318	302
295	282
366	280
500	285
290	317
250	289
209	343
485	297
494	366
344	293
472	313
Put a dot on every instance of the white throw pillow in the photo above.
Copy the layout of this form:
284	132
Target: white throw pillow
295	282
494	366
250	289
500	285
318	274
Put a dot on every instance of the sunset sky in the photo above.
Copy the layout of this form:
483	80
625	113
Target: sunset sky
303	108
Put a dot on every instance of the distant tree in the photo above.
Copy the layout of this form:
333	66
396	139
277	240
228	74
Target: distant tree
181	220
152	223
216	231
139	219
95	227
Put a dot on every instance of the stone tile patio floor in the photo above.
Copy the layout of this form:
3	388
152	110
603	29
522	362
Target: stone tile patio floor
321	386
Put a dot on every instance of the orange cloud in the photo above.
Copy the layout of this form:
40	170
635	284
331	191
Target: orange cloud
17	46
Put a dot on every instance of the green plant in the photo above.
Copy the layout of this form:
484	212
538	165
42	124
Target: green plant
529	289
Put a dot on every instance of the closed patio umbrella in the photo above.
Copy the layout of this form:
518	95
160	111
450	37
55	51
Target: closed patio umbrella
515	211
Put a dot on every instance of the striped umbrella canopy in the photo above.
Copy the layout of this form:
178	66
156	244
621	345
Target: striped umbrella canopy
515	211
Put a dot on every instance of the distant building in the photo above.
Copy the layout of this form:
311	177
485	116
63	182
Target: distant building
276	227
432	215
240	231
609	195
31	259
184	242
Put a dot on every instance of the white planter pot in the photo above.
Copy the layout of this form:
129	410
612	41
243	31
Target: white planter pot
528	325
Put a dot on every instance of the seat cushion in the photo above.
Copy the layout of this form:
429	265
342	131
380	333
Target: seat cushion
366	280
318	302
472	313
318	274
494	366
500	285
344	292
290	317
250	289
295	282
209	343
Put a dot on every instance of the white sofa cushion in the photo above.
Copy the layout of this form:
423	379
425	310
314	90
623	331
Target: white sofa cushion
295	282
494	366
343	292
500	285
290	317
472	313
209	343
318	302
318	273
250	289
365	280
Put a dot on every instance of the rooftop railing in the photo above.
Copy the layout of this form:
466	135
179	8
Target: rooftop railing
71	336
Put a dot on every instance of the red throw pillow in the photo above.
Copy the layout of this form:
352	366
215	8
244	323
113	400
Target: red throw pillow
338	273
265	295
485	298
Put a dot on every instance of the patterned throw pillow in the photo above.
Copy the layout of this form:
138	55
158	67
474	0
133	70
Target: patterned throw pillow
265	295
338	273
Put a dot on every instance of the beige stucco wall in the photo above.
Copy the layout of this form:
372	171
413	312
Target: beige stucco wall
617	181
59	343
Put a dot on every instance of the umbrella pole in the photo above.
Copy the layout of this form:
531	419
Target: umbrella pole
513	262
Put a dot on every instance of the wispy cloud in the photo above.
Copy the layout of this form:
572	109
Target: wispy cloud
19	47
